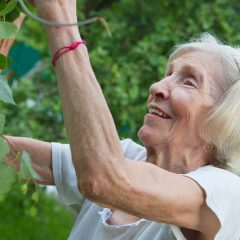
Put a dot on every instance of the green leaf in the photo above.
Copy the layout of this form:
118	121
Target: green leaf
3	62
2	122
13	15
24	188
4	149
7	178
7	30
2	4
9	7
32	211
2	197
6	92
26	170
35	196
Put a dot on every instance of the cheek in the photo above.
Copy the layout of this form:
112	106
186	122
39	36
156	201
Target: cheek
184	103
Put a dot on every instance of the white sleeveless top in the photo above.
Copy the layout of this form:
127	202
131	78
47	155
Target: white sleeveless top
222	190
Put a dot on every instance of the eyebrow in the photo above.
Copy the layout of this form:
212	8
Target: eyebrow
194	71
188	68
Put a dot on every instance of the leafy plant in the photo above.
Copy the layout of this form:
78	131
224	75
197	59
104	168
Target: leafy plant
9	11
8	175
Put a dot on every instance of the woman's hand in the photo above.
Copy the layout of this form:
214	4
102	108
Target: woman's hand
40	154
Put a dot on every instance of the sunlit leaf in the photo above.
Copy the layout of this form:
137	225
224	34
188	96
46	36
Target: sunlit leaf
32	211
24	188
5	92
4	149
7	30
26	170
35	196
7	178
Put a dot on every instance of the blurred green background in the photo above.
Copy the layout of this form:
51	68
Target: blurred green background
144	33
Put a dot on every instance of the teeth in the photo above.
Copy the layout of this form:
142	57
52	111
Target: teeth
156	111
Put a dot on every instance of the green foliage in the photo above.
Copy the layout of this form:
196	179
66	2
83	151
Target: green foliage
26	171
9	11
7	30
21	221
3	150
9	7
13	15
38	112
5	92
7	174
7	178
2	122
3	62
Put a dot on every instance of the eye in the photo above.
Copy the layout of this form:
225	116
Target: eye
189	82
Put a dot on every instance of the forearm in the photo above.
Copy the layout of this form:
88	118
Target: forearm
92	134
40	154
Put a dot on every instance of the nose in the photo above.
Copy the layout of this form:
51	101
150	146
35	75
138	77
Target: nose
160	89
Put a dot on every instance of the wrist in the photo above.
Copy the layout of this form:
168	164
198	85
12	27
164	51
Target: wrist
61	36
59	12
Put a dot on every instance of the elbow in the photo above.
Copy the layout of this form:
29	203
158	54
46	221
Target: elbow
92	187
99	183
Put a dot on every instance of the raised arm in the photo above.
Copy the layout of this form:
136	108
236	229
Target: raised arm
40	154
90	127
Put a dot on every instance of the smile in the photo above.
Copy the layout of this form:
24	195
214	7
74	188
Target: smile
159	113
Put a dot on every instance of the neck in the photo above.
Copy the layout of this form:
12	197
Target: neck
178	158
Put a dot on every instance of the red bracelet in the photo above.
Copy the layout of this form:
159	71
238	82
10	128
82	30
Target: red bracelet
66	49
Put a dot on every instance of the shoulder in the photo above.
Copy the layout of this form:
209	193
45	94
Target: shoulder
213	177
222	196
219	184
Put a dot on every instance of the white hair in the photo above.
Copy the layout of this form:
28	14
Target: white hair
222	123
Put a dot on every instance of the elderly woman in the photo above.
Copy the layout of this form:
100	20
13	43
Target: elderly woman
175	187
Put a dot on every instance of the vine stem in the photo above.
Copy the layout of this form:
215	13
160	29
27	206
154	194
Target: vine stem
58	24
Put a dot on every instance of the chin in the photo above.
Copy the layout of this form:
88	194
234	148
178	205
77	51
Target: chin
146	136
151	137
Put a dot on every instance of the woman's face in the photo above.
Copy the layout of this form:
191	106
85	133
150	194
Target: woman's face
178	103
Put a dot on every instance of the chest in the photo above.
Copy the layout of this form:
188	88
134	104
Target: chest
122	218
